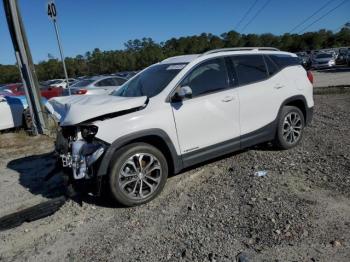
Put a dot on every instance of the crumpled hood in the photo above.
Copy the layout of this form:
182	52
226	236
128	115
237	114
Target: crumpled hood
72	110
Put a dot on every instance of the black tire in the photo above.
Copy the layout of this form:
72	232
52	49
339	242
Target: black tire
120	160
281	141
27	120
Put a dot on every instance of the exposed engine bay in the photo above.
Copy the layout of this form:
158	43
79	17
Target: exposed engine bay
79	152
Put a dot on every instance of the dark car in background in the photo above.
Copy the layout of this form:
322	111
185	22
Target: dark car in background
342	56
304	59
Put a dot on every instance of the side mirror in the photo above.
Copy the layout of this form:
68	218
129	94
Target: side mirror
181	93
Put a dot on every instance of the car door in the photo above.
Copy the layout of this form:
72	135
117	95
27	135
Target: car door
259	92
208	123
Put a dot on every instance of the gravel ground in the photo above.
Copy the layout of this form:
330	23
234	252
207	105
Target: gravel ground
339	76
218	211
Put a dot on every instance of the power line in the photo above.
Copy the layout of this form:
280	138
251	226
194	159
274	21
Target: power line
330	11
311	16
256	14
246	14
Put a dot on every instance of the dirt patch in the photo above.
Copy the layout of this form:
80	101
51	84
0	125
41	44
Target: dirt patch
300	211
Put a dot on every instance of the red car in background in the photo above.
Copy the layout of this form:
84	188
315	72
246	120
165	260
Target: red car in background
45	91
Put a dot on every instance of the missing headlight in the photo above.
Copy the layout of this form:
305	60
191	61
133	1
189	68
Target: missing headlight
88	132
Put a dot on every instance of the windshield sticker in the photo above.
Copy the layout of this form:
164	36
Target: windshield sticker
176	67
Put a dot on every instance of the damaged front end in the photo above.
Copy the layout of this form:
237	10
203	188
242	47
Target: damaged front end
79	154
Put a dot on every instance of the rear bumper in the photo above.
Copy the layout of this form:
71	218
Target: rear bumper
309	115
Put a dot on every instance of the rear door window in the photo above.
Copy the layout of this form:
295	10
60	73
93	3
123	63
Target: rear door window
249	68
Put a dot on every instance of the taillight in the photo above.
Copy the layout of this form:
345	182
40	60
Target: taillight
310	77
81	92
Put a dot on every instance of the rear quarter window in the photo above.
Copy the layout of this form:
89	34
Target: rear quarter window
272	68
283	61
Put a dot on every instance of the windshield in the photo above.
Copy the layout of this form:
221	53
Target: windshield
82	83
150	82
324	56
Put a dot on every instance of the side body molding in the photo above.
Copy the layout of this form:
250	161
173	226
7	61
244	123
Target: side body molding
176	159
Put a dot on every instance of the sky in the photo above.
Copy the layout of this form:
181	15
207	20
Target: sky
108	24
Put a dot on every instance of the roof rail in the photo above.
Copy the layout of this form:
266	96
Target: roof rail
240	49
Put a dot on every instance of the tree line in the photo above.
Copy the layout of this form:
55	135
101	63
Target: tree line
140	53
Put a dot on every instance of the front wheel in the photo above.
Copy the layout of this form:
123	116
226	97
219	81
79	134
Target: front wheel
138	174
290	127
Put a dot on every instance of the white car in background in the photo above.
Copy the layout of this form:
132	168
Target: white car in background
59	82
11	112
323	60
97	85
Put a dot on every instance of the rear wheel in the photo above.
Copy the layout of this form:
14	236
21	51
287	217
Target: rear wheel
138	174
290	127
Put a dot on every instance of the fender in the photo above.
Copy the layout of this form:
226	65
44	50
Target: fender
120	142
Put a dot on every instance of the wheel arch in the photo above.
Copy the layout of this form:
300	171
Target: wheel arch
299	101
155	137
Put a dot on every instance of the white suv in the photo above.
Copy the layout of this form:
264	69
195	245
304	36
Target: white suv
180	112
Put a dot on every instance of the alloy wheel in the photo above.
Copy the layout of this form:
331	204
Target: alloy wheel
292	127
140	176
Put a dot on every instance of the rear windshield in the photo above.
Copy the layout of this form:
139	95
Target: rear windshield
83	83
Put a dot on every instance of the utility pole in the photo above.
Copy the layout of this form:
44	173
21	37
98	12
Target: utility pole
26	66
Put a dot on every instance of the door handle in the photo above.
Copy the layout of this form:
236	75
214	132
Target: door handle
278	86
227	99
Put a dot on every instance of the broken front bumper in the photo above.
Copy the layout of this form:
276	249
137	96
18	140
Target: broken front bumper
78	155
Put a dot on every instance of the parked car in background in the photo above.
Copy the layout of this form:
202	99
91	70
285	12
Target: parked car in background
97	85
12	109
342	56
323	60
17	89
127	74
181	112
305	60
51	91
348	57
11	112
58	82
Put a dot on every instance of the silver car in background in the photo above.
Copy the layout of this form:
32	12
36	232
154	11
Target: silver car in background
323	60
97	85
